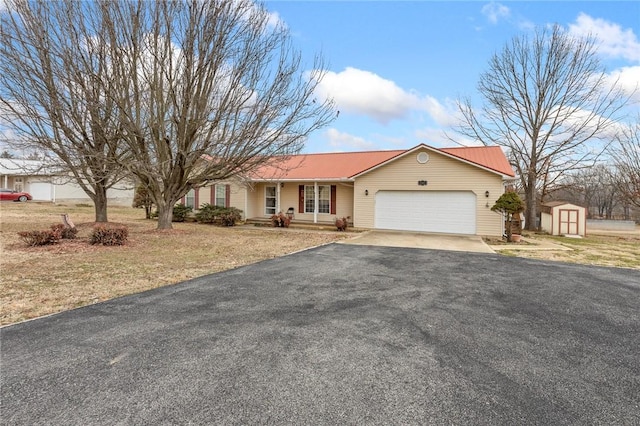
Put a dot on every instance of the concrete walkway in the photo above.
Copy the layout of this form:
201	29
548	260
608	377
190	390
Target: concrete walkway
466	243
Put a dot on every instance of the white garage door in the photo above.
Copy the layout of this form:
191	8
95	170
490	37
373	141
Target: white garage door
451	212
40	191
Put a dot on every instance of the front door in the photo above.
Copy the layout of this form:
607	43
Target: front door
569	222
270	200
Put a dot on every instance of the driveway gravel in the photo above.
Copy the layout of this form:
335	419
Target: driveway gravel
341	334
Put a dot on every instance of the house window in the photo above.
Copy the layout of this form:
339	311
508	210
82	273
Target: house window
190	199
324	199
270	200
221	196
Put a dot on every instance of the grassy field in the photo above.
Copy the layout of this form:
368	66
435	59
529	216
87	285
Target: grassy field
41	280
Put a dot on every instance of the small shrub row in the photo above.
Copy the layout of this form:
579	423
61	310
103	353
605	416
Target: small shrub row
109	235
226	216
57	232
66	233
40	238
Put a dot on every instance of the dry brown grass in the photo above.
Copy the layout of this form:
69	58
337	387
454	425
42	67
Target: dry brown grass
38	281
598	248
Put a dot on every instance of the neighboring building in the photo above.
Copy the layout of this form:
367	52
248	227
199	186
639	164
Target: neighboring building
446	190
562	218
45	183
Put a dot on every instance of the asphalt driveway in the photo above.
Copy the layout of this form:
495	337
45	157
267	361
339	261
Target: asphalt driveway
342	334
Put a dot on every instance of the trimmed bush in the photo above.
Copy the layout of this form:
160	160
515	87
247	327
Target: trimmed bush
180	212
230	216
109	235
66	233
215	214
142	198
208	213
40	238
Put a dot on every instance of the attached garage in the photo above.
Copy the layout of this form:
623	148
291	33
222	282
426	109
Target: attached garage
451	212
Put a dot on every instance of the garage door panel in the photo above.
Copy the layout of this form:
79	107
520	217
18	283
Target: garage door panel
426	211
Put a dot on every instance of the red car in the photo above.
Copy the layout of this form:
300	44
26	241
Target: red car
11	195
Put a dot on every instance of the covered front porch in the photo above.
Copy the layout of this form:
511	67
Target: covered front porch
304	202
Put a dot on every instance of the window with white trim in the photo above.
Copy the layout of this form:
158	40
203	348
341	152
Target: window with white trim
324	198
190	199
221	195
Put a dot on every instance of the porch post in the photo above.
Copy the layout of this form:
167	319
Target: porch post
315	202
278	210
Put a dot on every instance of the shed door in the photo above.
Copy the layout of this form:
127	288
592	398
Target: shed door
451	212
569	222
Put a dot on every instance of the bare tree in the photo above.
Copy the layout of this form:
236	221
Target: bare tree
209	90
547	100
55	79
626	156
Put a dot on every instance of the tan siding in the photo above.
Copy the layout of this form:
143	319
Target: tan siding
344	200
442	174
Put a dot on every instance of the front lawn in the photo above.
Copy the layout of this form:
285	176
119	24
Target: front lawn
42	280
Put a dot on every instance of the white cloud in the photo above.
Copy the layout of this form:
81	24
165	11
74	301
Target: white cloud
614	41
495	11
344	141
628	79
274	20
363	92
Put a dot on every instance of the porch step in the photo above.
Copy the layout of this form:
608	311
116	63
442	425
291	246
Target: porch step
258	221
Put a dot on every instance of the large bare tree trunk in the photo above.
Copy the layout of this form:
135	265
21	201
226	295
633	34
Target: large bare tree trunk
165	216
531	202
100	203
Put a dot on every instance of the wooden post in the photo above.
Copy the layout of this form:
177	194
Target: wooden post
67	221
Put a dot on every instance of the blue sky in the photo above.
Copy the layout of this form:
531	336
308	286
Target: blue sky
396	68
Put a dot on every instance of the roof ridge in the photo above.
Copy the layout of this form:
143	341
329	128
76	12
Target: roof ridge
350	152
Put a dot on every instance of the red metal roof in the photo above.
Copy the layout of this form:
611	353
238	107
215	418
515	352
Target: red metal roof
345	165
491	157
